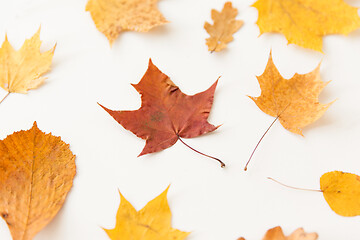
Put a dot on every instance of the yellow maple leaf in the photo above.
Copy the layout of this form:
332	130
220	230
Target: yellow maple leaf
21	70
111	17
293	101
36	173
305	22
153	222
277	233
342	192
223	28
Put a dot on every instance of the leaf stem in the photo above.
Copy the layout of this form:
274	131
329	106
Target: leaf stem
5	97
302	189
245	169
222	164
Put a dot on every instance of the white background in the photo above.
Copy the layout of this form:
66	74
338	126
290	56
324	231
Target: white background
211	202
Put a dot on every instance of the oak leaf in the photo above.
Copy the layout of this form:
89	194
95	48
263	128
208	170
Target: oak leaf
293	101
223	28
342	192
36	173
278	234
305	22
21	70
153	222
111	17
166	114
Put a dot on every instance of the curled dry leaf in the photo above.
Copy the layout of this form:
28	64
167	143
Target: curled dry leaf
278	234
294	102
153	222
342	192
166	114
305	22
111	17
223	28
22	70
36	173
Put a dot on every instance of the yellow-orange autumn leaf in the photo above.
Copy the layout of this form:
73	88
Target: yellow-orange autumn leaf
36	173
153	222
277	233
293	101
342	192
22	70
111	17
223	28
305	22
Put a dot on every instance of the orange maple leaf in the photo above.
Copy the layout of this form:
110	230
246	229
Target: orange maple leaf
294	102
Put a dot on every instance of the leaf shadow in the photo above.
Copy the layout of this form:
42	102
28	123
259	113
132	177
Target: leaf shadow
354	34
54	227
324	121
352	2
159	30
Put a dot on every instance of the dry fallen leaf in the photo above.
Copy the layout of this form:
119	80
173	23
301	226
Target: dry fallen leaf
153	222
276	233
293	101
21	70
342	192
111	17
166	114
224	27
305	22
299	234
36	173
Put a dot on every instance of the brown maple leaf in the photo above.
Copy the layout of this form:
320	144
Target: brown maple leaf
166	114
111	17
36	173
223	28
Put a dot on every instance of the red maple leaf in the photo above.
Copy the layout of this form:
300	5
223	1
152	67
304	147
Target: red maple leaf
166	114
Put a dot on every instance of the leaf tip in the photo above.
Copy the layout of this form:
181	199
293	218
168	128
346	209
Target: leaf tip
150	62
35	125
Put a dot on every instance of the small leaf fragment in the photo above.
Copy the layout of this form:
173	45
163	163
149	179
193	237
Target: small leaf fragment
153	222
342	192
223	28
36	173
277	233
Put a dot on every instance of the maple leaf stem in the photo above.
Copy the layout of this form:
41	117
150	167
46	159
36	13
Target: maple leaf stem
221	162
302	189
245	169
5	97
